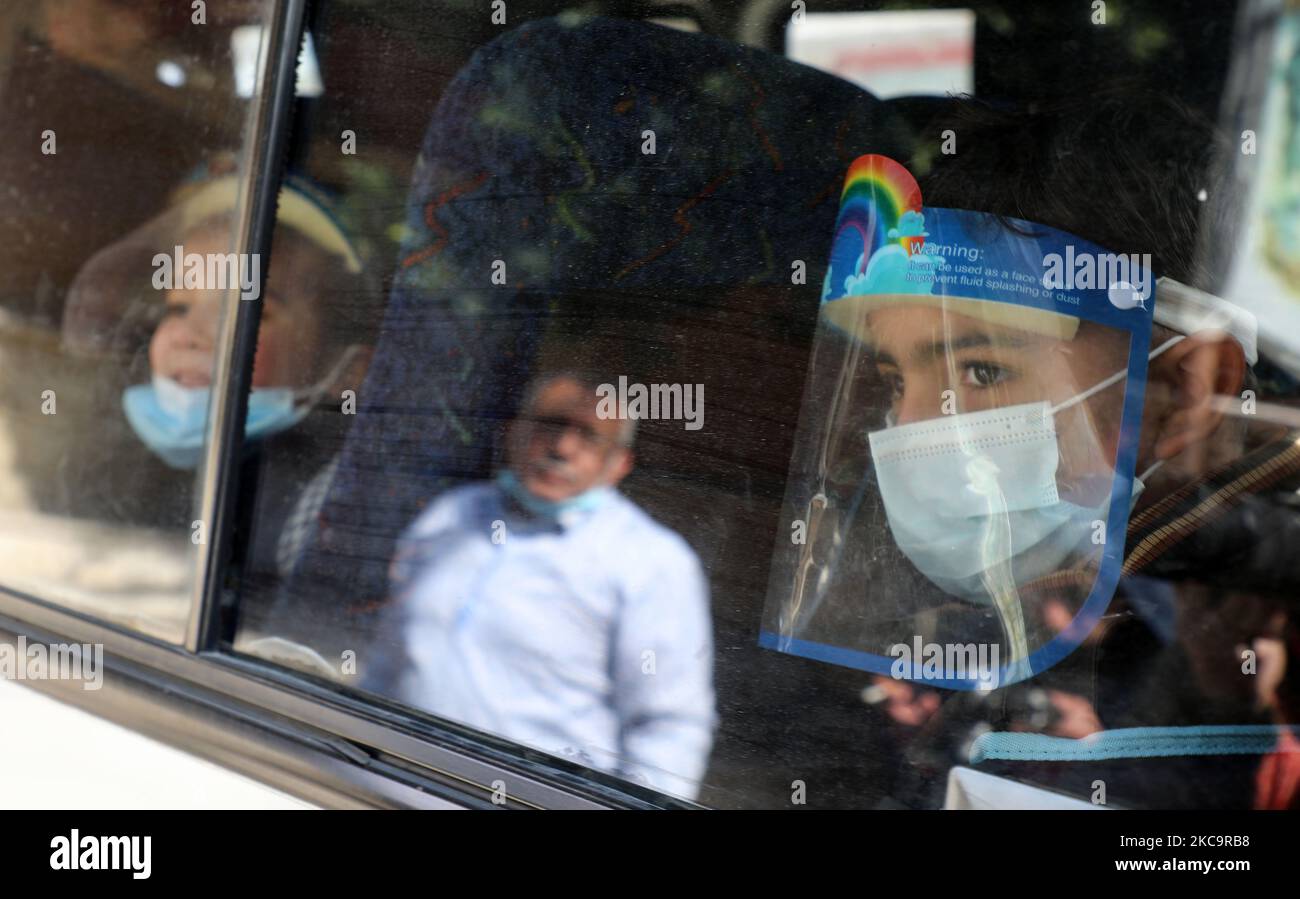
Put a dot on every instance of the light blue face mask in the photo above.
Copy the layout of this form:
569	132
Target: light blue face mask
587	501
171	419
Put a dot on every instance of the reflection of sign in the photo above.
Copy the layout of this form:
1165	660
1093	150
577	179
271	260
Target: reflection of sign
891	54
247	41
1266	271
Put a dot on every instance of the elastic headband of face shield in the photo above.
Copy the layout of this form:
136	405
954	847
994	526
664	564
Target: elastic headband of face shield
115	285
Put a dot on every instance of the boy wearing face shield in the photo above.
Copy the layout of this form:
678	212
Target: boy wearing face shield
993	418
1197	474
297	361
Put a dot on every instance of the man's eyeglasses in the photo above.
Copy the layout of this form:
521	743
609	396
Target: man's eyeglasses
554	427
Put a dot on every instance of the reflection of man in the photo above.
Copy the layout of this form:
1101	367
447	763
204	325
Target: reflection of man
549	609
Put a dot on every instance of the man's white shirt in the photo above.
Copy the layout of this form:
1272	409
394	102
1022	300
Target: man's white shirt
586	635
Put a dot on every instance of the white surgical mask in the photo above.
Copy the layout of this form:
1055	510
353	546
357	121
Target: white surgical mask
972	499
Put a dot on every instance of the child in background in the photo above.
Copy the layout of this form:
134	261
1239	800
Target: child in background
297	361
309	350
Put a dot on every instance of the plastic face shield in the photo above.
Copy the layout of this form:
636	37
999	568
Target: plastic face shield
964	466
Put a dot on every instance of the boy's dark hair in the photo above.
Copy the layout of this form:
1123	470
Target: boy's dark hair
1123	167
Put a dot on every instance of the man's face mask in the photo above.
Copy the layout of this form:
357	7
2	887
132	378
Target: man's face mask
965	463
588	500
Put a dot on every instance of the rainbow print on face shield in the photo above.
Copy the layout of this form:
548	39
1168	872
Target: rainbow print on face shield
964	466
882	229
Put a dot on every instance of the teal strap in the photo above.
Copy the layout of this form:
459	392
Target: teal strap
1134	742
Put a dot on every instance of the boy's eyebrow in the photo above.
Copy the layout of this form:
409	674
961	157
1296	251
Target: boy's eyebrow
926	350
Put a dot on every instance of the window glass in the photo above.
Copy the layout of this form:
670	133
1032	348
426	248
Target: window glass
728	426
119	117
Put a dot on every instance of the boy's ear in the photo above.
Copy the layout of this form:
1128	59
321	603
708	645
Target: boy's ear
1195	371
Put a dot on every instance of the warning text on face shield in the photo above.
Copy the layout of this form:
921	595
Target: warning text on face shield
961	279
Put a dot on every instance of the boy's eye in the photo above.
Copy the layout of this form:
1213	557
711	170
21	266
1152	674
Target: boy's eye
983	374
893	383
